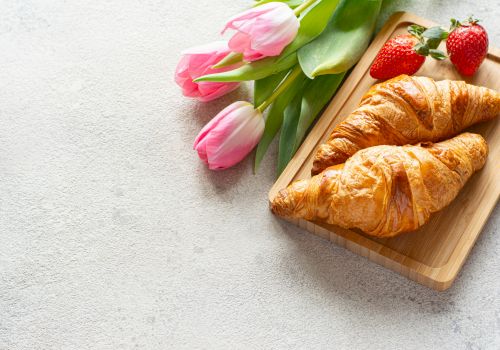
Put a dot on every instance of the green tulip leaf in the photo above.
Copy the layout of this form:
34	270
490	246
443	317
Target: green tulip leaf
312	22
313	102
301	113
229	60
263	88
288	131
275	117
252	71
344	40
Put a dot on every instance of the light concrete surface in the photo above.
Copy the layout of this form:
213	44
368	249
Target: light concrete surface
113	235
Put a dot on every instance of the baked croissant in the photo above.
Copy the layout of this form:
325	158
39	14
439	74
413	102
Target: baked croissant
386	190
407	110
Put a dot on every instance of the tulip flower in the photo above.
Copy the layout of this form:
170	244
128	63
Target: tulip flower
230	135
263	31
198	61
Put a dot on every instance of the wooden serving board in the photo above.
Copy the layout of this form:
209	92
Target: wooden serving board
434	254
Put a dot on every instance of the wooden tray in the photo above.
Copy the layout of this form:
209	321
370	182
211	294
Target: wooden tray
434	254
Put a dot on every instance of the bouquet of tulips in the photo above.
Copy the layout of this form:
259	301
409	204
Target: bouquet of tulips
297	52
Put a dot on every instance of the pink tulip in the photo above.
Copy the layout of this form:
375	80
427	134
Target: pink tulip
263	30
230	135
198	61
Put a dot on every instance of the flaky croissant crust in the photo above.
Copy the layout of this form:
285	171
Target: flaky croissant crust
386	190
407	110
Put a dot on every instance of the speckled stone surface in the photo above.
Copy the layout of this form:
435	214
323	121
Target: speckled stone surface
113	235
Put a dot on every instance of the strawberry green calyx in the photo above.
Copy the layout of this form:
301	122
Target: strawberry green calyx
433	37
416	31
471	20
454	24
429	40
437	54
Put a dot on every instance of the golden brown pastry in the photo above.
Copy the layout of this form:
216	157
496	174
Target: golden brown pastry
407	110
386	190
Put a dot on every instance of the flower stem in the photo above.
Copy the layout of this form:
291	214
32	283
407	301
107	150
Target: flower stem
298	10
283	86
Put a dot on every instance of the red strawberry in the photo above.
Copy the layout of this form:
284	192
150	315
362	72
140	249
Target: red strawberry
397	56
467	46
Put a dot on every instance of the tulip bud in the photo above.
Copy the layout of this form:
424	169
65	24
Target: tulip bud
263	30
198	61
230	136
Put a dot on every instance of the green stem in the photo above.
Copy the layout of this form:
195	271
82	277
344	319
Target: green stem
298	10
283	86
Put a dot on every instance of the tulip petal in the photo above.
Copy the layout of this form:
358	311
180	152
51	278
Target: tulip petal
236	139
263	31
217	119
234	22
215	91
230	135
198	61
201	149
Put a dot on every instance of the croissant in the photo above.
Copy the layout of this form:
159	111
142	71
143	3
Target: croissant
407	110
386	190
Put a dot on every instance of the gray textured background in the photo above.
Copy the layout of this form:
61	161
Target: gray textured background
114	235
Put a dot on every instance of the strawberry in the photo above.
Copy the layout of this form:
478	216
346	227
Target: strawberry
405	53
467	45
396	57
